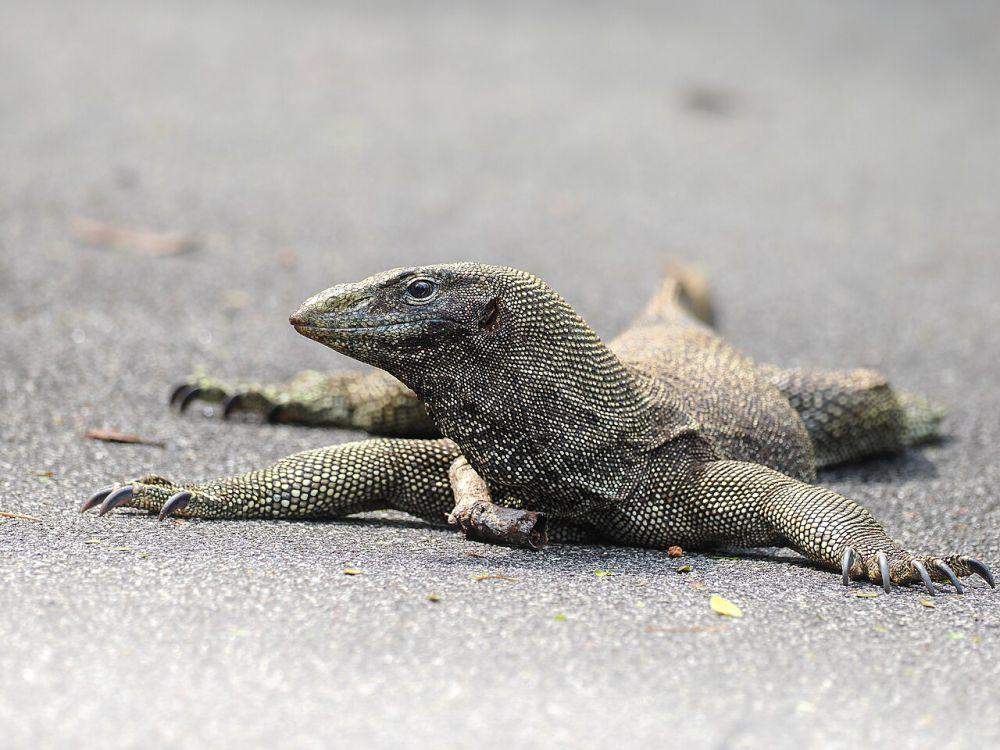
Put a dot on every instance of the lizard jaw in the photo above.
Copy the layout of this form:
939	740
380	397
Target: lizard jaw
318	332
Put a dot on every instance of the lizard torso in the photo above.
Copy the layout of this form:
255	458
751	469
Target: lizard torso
554	419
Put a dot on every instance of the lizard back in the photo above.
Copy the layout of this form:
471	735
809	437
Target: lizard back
743	416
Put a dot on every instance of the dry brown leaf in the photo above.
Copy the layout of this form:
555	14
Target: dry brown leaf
114	436
287	258
140	241
674	551
42	473
20	517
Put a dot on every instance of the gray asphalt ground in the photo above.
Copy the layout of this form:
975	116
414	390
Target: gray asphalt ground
833	166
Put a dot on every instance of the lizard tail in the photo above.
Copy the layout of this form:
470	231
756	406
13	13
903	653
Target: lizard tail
684	293
923	418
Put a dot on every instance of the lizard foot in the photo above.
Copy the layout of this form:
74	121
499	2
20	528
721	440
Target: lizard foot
899	567
249	398
152	493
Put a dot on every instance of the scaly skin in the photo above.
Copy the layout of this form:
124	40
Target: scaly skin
665	436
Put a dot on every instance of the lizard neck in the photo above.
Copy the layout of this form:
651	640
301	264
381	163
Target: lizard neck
537	400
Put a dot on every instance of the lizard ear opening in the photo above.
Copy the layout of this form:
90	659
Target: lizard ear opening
490	316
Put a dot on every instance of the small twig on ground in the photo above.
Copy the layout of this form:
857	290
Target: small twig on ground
482	520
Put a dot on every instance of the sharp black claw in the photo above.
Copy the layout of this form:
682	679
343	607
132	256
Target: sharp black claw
187	398
943	567
845	565
175	502
925	577
273	414
96	498
883	567
177	393
231	404
980	569
116	498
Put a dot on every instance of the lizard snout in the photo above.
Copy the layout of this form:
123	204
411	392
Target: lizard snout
307	316
298	318
328	308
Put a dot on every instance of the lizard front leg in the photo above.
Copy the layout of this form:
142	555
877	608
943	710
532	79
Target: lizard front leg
826	527
407	475
371	401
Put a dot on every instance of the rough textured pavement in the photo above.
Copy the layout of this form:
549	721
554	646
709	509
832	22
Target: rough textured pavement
833	166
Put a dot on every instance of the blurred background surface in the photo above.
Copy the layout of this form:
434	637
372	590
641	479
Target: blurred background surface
834	168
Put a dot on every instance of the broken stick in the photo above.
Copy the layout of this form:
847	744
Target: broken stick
482	520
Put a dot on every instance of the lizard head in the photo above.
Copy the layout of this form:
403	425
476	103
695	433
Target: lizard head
408	317
495	354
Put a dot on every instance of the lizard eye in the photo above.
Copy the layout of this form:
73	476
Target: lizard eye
420	291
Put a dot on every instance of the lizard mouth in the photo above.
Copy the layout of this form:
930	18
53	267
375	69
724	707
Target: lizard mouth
312	330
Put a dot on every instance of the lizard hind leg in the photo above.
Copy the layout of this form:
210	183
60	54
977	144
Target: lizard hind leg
855	414
922	416
820	524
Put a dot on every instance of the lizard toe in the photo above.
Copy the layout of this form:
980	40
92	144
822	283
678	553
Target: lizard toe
189	395
175	502
980	569
883	568
924	577
846	565
97	498
950	574
115	498
178	392
232	403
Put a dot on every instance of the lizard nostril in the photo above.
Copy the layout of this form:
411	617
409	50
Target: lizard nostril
298	318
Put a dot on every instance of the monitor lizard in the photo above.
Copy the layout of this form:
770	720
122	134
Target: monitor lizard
505	413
